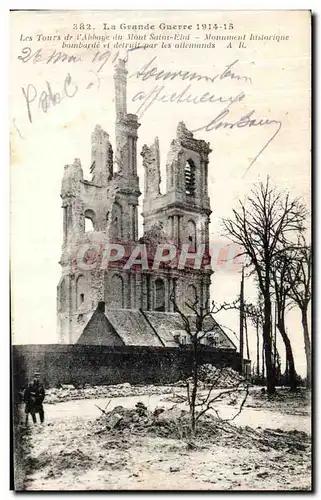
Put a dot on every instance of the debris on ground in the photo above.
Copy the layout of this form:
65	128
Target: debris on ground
134	448
67	392
175	423
223	377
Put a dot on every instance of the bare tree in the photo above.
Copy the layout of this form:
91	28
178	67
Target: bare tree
299	276
263	223
282	290
196	332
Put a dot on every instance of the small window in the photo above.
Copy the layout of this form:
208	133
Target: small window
88	225
190	178
183	340
212	339
176	338
80	290
191	231
89	221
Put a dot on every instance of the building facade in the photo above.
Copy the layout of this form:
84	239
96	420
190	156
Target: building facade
103	210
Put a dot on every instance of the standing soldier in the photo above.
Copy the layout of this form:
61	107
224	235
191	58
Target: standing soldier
33	397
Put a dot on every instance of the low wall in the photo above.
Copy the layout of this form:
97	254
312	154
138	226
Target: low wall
97	365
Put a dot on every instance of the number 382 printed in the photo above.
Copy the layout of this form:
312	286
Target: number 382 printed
81	26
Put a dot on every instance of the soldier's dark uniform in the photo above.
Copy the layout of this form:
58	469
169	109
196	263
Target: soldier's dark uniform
33	397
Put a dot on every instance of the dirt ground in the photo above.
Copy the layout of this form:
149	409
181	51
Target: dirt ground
75	450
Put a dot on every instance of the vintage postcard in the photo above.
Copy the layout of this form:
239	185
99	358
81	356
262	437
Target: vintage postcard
161	250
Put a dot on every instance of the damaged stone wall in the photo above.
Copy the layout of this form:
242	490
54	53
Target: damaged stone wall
151	164
101	157
110	200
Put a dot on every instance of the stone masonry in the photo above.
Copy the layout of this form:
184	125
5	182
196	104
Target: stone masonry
109	203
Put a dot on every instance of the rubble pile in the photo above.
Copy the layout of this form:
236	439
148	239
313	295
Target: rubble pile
69	392
140	420
174	423
223	377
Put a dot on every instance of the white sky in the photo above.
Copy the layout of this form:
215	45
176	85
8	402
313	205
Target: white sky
280	90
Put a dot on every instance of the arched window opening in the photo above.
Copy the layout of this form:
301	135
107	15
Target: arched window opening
159	295
88	225
190	177
117	221
80	291
117	289
191	295
191	231
89	221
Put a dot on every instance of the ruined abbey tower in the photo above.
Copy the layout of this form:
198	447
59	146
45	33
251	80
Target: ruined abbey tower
109	201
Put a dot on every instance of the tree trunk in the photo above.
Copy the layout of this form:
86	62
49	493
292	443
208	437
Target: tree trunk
246	338
257	352
270	376
307	345
286	372
289	355
194	388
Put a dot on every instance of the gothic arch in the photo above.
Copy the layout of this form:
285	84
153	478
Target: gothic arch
189	172
117	221
159	295
80	291
191	234
90	219
191	294
117	291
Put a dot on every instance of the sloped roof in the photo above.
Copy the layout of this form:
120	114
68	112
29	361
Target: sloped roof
98	331
166	325
132	327
169	324
145	328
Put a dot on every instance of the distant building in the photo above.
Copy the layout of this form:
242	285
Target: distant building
135	303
